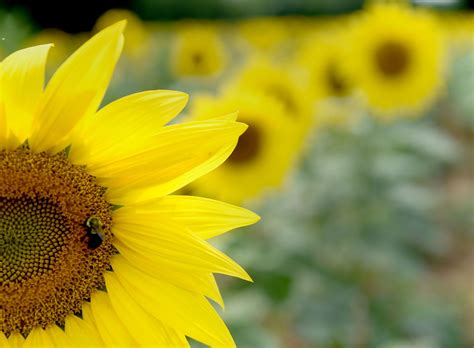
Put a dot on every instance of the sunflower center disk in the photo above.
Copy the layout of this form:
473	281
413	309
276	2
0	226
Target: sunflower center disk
47	266
197	58
248	146
31	238
392	59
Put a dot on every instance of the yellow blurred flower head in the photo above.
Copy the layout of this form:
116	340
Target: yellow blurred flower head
395	56
97	252
263	155
322	62
198	51
278	82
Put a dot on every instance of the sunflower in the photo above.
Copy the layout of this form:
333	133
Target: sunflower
263	155
395	57
198	52
94	252
322	62
280	83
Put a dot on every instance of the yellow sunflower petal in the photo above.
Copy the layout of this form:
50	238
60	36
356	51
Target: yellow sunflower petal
58	337
3	340
199	282
214	290
212	161
227	117
145	329
205	217
186	312
123	125
168	243
7	138
38	338
77	88
109	325
83	332
22	80
16	340
177	155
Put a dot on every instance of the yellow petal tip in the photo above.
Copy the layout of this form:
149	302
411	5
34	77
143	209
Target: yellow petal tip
242	127
247	278
253	218
182	96
119	26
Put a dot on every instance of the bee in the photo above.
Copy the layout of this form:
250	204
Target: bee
95	234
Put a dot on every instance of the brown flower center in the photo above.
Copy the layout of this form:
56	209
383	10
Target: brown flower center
392	59
197	58
50	259
30	239
248	146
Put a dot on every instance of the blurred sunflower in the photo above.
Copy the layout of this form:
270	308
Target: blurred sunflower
396	58
198	51
93	249
322	62
278	82
263	155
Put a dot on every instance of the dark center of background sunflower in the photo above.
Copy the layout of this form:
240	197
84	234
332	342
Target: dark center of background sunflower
335	81
392	59
283	95
248	146
47	267
197	58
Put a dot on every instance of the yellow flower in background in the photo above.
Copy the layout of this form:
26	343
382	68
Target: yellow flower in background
278	82
198	51
95	252
322	62
138	41
395	56
263	155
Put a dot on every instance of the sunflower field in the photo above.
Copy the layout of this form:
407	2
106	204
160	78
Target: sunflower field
358	159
